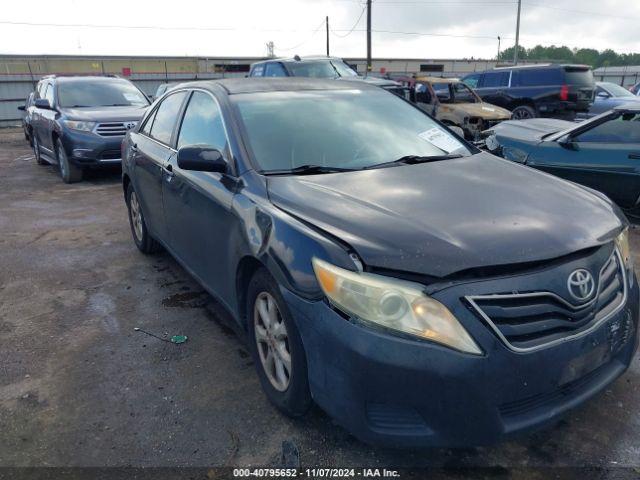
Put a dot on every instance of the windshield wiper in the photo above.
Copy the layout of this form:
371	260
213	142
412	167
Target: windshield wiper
307	170
414	159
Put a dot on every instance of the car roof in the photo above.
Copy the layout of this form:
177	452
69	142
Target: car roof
438	80
87	78
277	84
296	59
540	65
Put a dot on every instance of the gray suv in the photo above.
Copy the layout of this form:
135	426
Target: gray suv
79	122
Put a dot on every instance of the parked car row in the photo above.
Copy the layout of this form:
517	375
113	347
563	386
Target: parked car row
344	229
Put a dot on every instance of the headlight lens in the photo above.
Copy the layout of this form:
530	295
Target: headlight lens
622	242
393	304
78	125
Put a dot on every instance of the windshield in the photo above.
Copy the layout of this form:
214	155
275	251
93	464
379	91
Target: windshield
343	69
99	93
350	129
617	90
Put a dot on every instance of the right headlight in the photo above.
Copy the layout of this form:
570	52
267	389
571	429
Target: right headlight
394	304
622	242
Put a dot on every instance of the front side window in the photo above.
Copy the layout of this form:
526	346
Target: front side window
472	80
166	117
274	69
202	123
624	129
99	93
292	129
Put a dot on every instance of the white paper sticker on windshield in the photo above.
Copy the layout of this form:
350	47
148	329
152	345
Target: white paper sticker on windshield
440	139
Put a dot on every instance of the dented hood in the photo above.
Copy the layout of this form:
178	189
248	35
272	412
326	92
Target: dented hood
443	217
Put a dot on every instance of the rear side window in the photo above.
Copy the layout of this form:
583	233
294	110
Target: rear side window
202	123
274	70
578	76
166	117
495	79
539	77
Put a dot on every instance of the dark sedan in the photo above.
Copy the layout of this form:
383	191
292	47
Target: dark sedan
418	290
602	153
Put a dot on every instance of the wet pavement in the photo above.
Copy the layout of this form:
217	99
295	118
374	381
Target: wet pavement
80	387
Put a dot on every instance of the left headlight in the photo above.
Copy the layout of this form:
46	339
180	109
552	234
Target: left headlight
394	304
622	242
78	125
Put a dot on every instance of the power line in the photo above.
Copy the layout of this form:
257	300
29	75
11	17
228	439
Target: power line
305	41
354	25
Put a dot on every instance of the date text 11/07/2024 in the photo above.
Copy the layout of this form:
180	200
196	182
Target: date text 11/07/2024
316	472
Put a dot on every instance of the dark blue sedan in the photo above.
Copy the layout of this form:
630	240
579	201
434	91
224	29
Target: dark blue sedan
420	291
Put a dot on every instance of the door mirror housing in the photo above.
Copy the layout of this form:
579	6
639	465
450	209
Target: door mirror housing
43	103
568	142
602	95
202	158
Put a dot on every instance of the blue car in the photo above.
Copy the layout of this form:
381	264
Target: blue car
602	153
608	96
420	291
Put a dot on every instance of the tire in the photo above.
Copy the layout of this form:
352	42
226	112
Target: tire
292	396
69	172
36	152
141	237
523	112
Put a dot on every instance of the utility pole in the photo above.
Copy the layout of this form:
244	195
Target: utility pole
498	57
270	49
327	24
515	53
368	36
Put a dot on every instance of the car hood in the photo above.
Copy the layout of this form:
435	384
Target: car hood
482	110
378	82
531	130
105	114
444	217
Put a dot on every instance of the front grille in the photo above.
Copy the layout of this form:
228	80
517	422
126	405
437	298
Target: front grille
528	321
111	129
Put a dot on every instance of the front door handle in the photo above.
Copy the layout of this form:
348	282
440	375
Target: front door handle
168	171
634	155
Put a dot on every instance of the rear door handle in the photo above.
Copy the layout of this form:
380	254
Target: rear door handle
634	155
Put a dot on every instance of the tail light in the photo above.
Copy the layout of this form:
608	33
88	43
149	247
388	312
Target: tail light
564	93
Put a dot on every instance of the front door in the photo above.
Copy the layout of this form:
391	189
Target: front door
198	204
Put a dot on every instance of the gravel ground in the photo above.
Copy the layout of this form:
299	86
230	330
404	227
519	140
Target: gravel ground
79	387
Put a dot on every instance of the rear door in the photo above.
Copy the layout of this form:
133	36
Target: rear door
198	204
152	145
493	86
605	158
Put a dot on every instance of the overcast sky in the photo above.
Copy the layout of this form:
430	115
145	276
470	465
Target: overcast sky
242	27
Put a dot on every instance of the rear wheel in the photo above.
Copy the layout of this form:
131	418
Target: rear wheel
523	112
69	172
145	242
277	347
36	152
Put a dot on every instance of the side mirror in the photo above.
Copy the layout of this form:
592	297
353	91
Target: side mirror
568	143
22	108
602	95
43	103
202	158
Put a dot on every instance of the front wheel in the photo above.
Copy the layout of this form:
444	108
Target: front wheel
277	347
69	172
523	112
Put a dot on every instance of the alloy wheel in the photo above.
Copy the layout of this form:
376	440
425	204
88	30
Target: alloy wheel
136	216
62	160
272	341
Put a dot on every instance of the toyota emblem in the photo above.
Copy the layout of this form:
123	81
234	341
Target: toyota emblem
581	284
